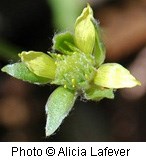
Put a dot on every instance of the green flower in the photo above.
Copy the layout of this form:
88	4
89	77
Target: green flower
76	66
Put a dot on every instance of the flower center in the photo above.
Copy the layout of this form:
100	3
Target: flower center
74	71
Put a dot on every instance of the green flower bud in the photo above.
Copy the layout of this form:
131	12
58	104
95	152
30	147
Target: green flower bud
113	75
39	63
84	31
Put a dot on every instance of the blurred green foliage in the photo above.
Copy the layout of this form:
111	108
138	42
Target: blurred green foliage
65	12
8	51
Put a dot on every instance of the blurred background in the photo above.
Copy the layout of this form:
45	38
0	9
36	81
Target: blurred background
30	25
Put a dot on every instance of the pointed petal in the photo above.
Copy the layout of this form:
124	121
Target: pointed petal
39	63
113	75
85	31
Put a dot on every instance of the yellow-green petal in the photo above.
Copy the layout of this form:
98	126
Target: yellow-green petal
39	63
85	31
113	75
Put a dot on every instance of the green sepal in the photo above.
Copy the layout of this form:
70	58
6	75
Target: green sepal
98	93
64	43
20	71
113	75
99	48
58	107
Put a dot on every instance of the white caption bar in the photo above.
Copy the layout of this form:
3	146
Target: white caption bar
64	152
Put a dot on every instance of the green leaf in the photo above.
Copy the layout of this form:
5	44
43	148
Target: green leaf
99	48
39	63
113	75
20	71
85	31
58	107
64	43
98	93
